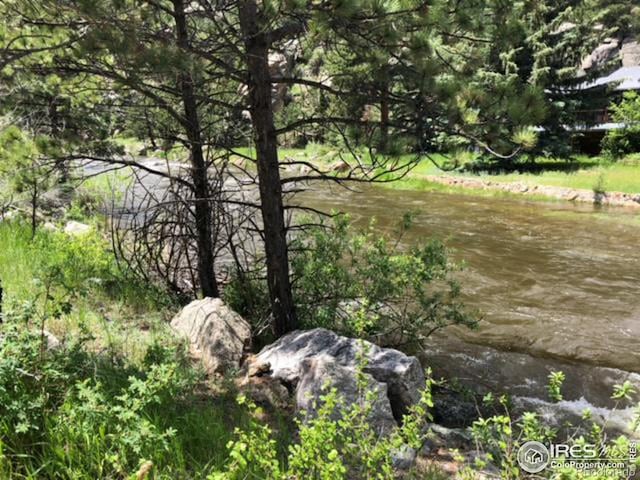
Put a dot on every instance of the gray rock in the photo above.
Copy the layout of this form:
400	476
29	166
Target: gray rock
52	341
218	335
322	373
438	436
49	227
76	229
403	375
404	458
453	410
630	53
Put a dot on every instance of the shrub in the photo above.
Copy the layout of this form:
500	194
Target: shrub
620	142
31	385
115	432
72	413
337	443
343	277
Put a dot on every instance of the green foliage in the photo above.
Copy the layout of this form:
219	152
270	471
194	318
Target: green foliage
24	173
554	387
363	283
90	408
71	413
342	275
114	430
338	442
54	270
29	385
499	437
624	391
622	141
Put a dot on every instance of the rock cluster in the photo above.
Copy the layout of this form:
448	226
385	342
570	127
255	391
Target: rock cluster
303	363
302	366
304	359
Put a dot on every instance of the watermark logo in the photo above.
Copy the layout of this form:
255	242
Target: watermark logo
533	457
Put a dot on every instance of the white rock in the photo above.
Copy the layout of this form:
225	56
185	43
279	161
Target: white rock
403	375
52	341
49	227
218	335
76	229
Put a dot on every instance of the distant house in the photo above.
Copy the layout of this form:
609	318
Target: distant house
593	123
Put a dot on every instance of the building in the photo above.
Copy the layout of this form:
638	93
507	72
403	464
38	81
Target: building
593	123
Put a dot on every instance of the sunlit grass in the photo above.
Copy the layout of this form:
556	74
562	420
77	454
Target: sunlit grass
581	172
587	173
120	326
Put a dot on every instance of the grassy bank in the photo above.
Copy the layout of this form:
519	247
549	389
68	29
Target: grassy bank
121	399
120	392
580	172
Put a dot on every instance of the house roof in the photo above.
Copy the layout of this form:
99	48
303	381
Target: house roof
626	78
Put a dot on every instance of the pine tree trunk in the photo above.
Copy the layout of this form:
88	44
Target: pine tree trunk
261	109
384	120
199	174
384	113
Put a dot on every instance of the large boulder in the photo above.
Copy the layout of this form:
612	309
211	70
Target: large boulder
402	375
320	374
218	336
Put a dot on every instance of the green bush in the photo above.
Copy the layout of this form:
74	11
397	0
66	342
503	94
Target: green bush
343	277
101	435
86	409
337	443
73	413
31	384
623	141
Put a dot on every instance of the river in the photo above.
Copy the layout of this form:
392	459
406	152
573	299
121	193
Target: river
558	286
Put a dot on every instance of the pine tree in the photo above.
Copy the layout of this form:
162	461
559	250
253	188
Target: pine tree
397	76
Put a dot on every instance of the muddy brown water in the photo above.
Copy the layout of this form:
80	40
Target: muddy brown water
558	285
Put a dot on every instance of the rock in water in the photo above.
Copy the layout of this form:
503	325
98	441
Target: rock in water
402	375
218	335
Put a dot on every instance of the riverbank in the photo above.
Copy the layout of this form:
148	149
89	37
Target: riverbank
596	197
587	180
582	179
123	393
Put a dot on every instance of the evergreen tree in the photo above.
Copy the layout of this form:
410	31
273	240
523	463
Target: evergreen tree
394	75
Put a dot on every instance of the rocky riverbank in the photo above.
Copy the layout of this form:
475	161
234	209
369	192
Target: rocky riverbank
618	199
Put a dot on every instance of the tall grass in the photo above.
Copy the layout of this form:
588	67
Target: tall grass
121	391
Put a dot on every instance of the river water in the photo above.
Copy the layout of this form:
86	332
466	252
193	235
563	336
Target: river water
558	286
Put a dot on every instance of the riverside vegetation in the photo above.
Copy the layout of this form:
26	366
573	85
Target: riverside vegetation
120	397
93	383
